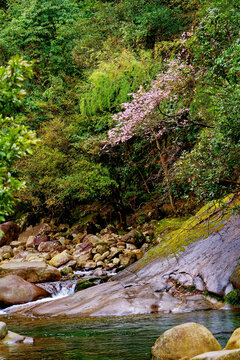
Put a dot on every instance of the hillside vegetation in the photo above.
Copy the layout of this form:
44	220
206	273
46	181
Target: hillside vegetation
130	108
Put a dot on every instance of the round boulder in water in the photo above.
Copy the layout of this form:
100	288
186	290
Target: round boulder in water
3	329
14	290
234	341
184	342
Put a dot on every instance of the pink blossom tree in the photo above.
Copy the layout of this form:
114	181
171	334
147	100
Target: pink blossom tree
156	112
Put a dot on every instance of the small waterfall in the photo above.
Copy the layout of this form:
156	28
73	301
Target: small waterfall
57	289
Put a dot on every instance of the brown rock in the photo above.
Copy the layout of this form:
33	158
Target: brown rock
133	237
35	231
127	258
39	239
60	259
102	248
14	290
234	341
184	342
30	242
92	239
8	232
48	246
12	338
6	252
86	246
32	271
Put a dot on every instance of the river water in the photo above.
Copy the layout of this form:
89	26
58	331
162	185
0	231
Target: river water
126	338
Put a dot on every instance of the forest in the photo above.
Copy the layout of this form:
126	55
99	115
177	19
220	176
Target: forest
125	110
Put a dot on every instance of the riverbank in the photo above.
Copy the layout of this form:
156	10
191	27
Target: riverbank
192	268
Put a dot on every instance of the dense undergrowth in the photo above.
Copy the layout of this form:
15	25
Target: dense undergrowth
132	102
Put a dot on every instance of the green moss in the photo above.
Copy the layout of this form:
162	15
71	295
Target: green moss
233	298
168	224
209	219
86	283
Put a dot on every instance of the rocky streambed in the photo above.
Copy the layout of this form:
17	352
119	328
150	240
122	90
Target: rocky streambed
192	268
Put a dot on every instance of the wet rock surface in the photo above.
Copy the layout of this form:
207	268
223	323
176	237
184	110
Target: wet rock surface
31	271
203	260
8	337
14	290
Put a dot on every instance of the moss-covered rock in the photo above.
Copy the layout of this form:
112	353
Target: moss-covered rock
184	342
86	283
211	218
235	278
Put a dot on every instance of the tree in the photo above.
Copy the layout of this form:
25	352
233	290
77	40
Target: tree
15	138
158	112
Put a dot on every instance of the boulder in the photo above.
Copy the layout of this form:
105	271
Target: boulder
34	231
48	246
60	259
14	290
3	330
12	338
92	239
32	271
8	232
184	342
219	355
39	239
133	237
6	252
30	242
234	341
127	258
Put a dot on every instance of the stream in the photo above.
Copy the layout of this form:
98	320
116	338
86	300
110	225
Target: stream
126	338
88	338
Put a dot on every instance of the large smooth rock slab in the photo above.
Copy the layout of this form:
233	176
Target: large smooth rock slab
8	232
184	342
14	290
206	262
32	271
108	299
211	259
219	355
234	341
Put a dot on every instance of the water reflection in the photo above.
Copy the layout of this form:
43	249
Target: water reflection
107	338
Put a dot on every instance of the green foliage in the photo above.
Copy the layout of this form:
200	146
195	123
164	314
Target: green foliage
15	138
205	171
233	298
63	170
41	30
112	82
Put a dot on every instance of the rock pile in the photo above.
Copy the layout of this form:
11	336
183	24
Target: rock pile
66	249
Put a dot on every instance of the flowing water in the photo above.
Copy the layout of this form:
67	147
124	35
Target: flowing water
127	338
